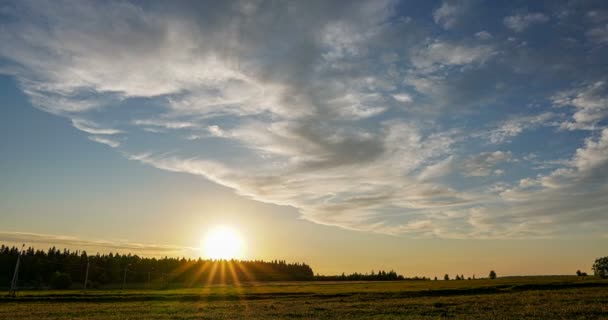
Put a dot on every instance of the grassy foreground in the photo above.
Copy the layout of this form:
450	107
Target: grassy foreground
506	298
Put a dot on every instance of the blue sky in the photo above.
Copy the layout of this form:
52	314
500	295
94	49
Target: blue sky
462	120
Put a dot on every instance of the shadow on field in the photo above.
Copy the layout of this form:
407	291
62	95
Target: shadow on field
129	297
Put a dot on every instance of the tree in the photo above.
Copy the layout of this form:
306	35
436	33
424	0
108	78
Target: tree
600	267
446	277
61	280
492	275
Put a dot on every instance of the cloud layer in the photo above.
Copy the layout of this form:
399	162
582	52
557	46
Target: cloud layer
15	238
361	115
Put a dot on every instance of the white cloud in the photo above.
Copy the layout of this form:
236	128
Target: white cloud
216	131
483	35
106	141
521	22
93	128
516	125
439	53
594	155
167	124
402	97
590	101
437	170
449	13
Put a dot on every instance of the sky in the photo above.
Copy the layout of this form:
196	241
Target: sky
428	137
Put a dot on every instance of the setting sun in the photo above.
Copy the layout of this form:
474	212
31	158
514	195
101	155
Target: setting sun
223	243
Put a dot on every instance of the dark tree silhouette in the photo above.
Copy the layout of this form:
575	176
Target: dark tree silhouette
446	277
600	267
38	268
379	276
492	275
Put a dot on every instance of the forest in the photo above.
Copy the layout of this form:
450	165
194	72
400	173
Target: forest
56	268
38	269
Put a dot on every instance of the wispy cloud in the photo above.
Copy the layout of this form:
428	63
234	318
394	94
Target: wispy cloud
39	239
521	22
93	128
450	12
516	125
485	163
591	103
106	141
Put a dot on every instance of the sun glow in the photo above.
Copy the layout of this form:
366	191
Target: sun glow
223	243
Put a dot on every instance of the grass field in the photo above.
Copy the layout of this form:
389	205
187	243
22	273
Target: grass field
503	298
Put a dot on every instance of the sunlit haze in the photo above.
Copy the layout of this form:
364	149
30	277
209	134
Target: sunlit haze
223	242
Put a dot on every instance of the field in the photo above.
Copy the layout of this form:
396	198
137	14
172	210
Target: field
503	298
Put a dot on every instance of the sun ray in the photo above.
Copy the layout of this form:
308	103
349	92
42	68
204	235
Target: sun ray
234	275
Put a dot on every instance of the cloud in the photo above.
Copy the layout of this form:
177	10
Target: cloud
167	124
334	179
516	125
483	35
402	97
93	128
39	239
521	22
439	53
598	34
437	170
484	164
597	16
590	101
450	12
106	141
452	74
557	196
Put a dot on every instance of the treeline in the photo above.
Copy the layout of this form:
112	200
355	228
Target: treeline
38	268
373	276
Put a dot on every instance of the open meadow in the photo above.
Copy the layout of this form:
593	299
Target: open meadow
503	298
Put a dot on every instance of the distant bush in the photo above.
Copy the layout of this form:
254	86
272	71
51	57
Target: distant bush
600	267
380	276
61	281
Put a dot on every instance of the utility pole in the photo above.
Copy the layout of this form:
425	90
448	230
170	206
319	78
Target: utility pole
124	278
13	290
86	276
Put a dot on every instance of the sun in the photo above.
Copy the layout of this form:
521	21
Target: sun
223	243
